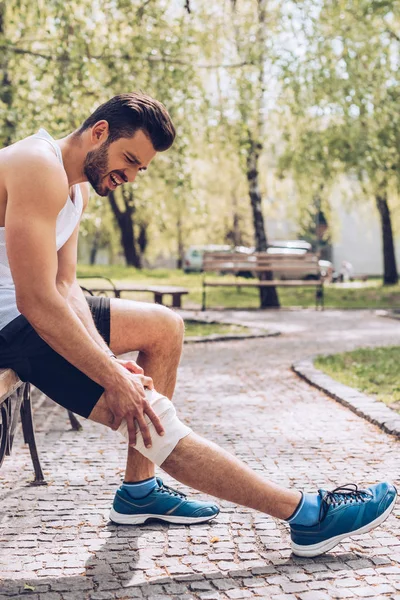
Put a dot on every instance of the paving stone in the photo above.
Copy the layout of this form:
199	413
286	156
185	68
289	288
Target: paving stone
224	584
314	596
200	586
239	594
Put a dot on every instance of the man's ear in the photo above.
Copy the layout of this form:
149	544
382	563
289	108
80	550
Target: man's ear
99	132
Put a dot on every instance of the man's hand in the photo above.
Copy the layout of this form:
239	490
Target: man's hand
133	368
127	400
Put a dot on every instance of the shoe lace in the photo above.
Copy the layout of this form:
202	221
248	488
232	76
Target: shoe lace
165	489
344	494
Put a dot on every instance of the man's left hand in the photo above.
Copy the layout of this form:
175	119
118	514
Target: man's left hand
131	366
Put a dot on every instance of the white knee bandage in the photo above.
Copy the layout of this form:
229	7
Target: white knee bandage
162	445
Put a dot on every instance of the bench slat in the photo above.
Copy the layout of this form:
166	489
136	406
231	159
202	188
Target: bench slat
277	282
9	382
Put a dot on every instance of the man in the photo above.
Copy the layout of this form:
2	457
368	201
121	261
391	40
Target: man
66	344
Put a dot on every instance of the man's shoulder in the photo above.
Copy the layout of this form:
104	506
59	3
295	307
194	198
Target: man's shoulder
35	160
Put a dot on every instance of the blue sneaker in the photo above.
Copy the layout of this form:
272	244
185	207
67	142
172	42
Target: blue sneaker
162	503
345	511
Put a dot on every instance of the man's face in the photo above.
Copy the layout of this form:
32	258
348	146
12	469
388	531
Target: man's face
113	164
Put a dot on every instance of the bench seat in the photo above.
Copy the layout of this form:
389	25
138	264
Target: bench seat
270	283
159	291
15	400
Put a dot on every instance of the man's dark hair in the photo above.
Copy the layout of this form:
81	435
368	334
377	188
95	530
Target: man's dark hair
127	113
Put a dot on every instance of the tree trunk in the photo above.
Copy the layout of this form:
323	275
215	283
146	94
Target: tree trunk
181	250
93	252
236	233
390	275
125	224
268	295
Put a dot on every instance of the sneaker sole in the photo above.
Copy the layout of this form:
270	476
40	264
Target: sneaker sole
122	519
325	546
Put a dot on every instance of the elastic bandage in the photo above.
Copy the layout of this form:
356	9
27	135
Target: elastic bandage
174	429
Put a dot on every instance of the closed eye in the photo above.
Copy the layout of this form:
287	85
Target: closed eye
132	161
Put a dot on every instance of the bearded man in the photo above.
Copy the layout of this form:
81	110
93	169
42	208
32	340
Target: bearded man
67	345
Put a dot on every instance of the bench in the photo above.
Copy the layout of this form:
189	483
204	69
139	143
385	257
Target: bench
278	270
159	291
15	399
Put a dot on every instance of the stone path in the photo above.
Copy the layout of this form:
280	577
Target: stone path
57	542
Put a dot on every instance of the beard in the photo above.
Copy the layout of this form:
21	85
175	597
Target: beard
96	167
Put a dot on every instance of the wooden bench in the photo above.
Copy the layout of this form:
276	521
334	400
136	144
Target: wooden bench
281	270
15	400
159	291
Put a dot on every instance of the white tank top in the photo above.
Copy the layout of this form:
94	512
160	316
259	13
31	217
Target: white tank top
67	219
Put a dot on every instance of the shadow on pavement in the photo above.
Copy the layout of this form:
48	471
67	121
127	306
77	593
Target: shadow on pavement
114	572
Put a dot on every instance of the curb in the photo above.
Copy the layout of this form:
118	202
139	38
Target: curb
254	332
374	411
215	337
389	314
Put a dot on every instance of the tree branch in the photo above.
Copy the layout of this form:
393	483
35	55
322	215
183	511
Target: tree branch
172	61
393	34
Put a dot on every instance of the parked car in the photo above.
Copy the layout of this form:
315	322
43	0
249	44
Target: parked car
290	248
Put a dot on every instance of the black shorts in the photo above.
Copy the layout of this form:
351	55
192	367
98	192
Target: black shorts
24	351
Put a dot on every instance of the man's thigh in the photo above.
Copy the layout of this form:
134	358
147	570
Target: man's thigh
141	326
24	351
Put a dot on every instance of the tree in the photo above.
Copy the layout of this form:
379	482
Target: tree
346	87
252	49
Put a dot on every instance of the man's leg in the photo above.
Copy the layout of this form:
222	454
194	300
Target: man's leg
206	467
318	522
157	333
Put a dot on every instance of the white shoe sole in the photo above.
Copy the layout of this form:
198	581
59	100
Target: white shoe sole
121	519
325	546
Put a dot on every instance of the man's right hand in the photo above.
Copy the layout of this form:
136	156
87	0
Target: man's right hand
126	399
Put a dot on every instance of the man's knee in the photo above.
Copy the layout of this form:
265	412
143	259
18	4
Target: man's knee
174	429
170	328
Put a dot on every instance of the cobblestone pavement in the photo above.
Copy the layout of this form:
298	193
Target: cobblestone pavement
57	540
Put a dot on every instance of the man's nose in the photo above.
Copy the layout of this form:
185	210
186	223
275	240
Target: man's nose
131	174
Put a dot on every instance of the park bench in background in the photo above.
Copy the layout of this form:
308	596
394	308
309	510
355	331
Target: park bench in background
15	399
285	270
158	291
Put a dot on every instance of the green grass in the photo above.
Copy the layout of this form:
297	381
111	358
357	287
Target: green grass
372	294
196	328
374	371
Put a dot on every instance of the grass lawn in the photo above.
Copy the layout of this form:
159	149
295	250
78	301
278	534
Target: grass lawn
374	371
196	328
371	294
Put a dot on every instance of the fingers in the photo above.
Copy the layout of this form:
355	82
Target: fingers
131	431
147	382
155	420
133	367
116	422
144	430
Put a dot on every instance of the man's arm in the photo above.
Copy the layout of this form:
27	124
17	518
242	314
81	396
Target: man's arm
67	283
37	189
69	287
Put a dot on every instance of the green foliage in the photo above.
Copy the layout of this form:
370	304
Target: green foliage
371	370
198	328
344	92
315	82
